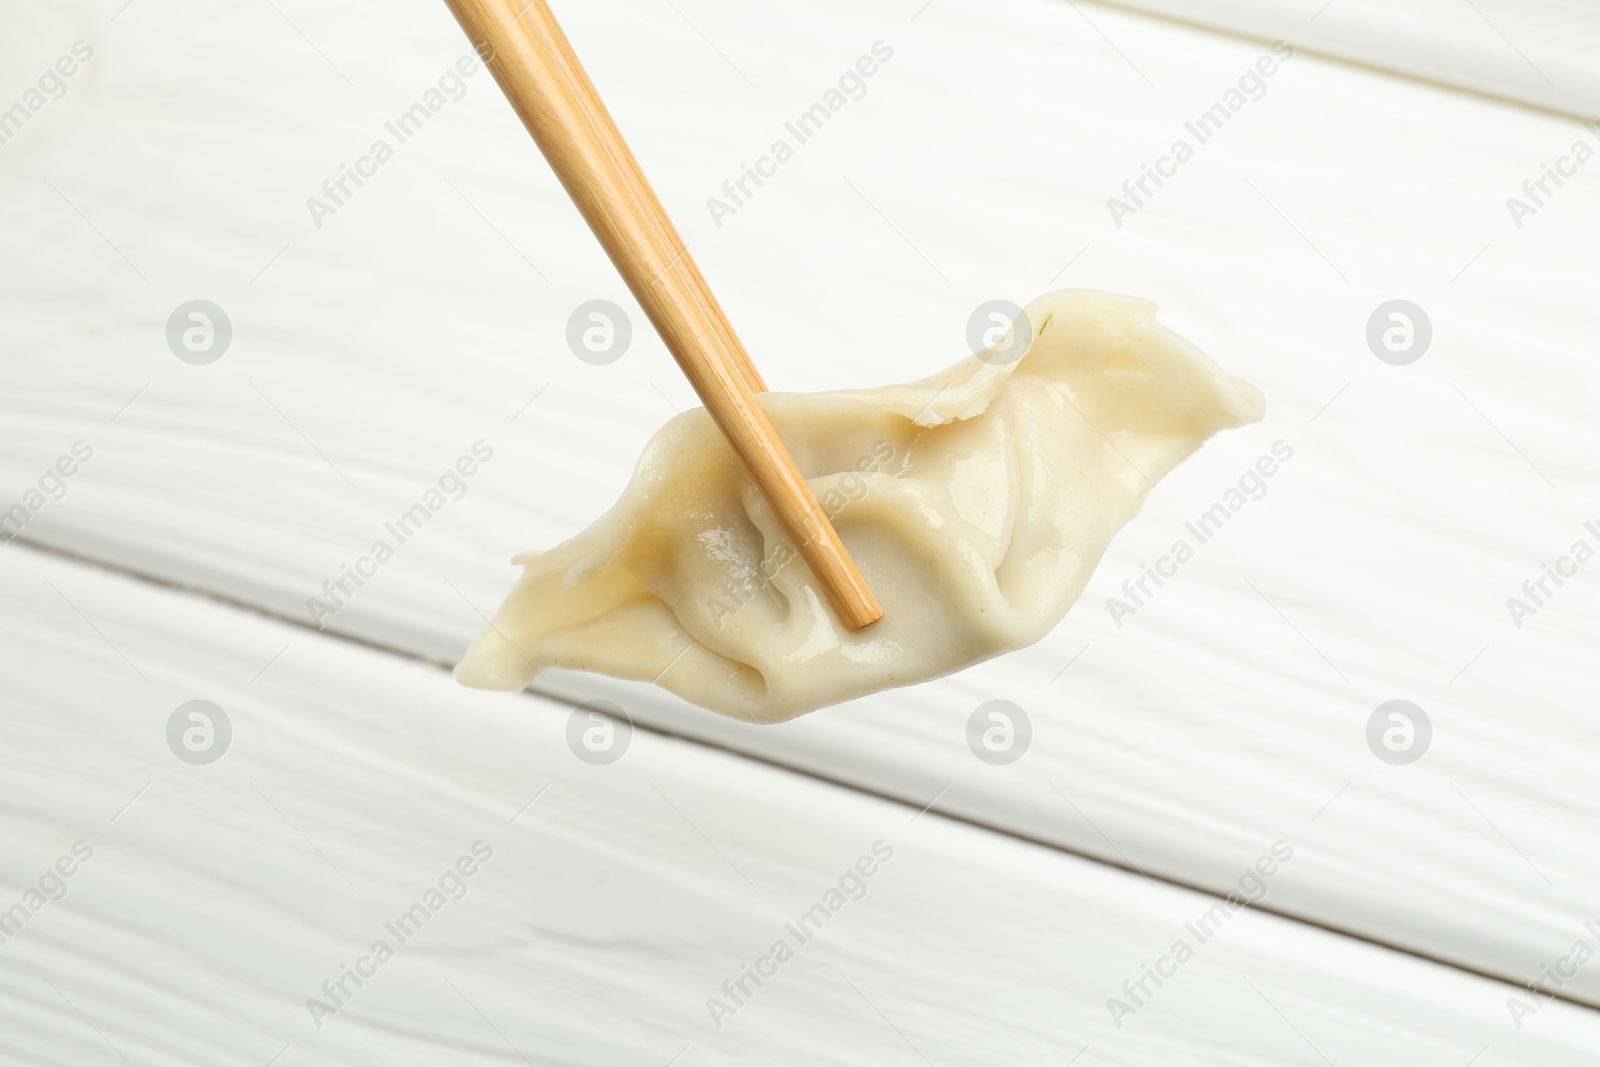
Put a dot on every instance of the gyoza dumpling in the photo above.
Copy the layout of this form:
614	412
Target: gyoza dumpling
976	503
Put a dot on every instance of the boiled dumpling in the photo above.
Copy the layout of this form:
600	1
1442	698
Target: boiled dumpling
976	503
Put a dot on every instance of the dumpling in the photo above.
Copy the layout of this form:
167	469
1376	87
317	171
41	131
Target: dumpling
976	504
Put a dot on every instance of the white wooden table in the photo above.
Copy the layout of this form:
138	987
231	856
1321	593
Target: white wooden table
1169	754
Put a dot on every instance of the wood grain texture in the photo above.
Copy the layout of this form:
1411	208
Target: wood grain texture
218	898
371	352
1536	53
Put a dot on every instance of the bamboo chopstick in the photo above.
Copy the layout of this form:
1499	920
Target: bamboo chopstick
534	64
600	120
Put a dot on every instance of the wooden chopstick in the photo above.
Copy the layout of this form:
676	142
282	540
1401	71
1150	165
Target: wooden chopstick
534	64
599	118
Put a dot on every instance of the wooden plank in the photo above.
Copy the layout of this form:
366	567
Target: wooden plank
1536	53
371	352
217	897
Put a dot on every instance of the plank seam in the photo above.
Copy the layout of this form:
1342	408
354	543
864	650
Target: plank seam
30	544
1344	61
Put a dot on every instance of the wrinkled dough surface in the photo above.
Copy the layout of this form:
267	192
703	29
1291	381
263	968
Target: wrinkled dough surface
976	504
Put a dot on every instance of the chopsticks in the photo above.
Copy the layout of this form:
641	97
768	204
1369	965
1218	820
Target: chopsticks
534	64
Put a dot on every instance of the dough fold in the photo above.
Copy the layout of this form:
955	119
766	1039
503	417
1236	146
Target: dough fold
976	503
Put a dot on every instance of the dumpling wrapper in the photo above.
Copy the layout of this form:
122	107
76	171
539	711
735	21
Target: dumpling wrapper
976	504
